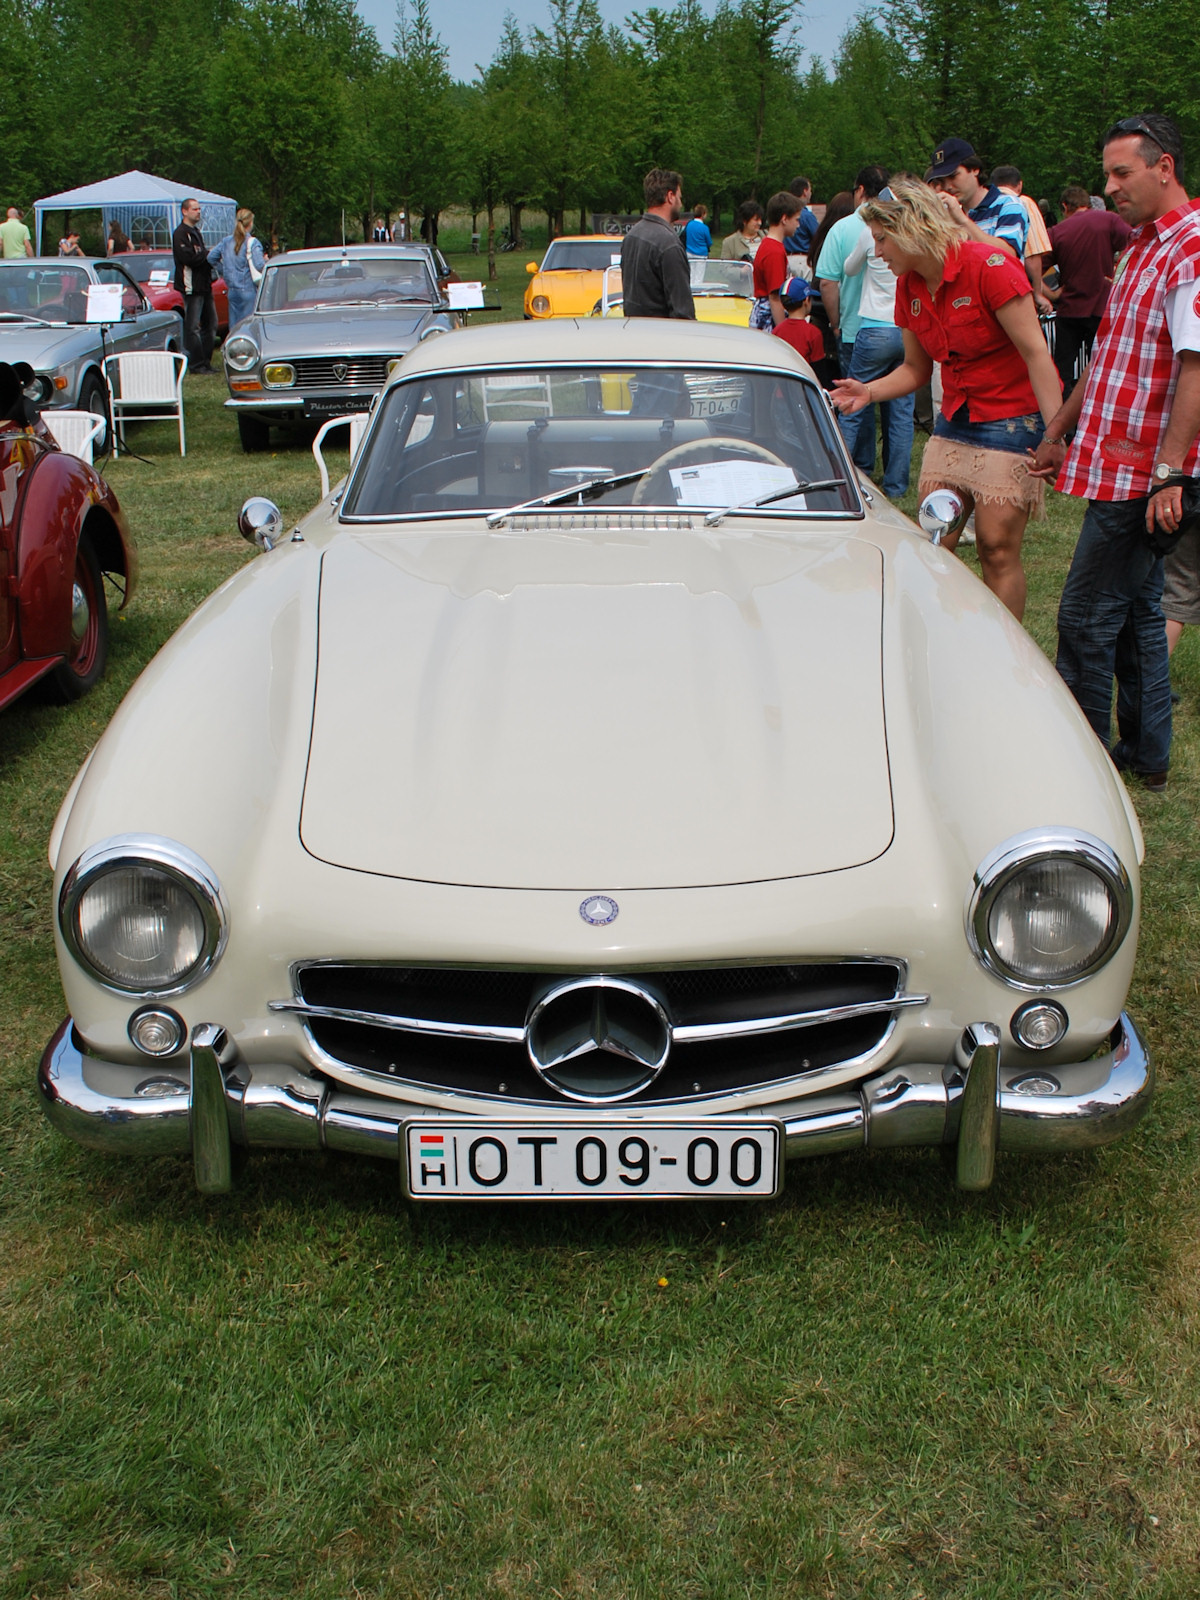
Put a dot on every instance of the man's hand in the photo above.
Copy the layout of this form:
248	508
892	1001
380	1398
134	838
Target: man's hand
1043	305
1046	461
1165	509
954	206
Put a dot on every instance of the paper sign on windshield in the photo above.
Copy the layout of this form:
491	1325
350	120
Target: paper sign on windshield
104	302
464	296
733	483
160	279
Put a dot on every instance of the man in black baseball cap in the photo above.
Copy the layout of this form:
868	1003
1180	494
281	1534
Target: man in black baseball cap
985	211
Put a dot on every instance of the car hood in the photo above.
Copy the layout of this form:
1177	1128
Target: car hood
601	711
43	347
574	290
295	332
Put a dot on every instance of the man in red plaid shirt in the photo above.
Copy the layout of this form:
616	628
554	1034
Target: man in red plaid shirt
1136	410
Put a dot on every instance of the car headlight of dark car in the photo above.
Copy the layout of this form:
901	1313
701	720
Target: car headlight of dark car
1049	908
240	352
143	915
38	389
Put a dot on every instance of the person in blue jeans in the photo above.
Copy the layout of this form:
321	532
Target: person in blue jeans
1110	621
878	350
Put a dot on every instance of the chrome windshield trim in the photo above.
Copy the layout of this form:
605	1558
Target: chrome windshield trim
691	1033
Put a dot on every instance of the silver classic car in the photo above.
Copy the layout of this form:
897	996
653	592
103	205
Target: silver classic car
612	815
44	321
327	330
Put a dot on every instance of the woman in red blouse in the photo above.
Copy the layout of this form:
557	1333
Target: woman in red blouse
969	306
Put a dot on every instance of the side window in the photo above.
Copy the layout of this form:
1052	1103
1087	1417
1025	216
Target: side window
131	295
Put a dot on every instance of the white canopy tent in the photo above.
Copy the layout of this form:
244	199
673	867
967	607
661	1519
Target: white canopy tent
146	207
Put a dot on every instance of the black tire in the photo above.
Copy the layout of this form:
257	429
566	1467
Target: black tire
85	664
255	435
93	397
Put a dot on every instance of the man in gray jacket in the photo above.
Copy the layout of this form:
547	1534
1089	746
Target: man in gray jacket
655	281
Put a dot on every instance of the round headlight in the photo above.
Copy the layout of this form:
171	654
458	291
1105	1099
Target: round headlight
540	305
143	914
38	389
279	375
240	353
1049	908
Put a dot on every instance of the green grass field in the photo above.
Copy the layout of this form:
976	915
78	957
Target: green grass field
875	1386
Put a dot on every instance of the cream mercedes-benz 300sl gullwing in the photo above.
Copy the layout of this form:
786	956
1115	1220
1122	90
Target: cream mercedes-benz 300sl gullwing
604	793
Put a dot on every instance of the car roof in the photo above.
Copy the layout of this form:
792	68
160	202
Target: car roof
586	238
354	252
629	341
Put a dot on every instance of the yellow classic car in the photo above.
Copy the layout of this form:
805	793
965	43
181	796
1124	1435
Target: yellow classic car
569	279
722	291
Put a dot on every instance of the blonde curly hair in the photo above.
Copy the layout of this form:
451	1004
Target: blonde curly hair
915	217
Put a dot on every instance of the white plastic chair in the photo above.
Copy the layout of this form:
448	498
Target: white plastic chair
357	421
75	431
145	378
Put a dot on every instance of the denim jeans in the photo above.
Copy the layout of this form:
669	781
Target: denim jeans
1110	621
199	328
876	352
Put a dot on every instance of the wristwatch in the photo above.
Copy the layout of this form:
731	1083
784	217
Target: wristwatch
1162	472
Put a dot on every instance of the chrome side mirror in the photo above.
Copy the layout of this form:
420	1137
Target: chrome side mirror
261	522
942	513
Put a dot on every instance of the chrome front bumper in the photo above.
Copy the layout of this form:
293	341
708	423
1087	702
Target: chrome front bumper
215	1100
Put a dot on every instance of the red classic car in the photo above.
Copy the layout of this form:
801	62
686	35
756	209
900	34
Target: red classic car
62	534
146	266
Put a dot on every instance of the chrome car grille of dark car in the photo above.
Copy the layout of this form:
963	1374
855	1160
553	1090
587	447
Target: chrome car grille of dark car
356	371
463	1029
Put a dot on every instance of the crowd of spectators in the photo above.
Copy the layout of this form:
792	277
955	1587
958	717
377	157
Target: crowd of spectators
1033	349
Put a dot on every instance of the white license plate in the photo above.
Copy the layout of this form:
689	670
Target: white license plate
591	1160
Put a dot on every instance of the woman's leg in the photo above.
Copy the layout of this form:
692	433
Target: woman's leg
999	529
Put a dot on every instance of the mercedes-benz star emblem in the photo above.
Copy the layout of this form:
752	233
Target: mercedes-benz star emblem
340	369
598	1039
598	910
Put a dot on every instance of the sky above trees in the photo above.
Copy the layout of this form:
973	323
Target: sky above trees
471	29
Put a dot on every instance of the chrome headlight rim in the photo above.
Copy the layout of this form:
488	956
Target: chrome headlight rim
176	861
278	381
241	353
998	869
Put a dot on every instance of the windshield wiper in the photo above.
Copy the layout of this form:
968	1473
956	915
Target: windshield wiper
24	316
799	487
590	489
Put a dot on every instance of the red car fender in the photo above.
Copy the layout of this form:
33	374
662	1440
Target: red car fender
62	498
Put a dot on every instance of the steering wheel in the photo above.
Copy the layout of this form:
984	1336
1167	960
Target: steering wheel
648	490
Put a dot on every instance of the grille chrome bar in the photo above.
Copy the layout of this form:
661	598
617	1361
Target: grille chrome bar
496	1034
690	1033
359	370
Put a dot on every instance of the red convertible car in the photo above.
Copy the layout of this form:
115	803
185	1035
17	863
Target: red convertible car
147	267
62	536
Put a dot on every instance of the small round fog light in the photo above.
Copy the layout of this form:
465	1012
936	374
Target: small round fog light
156	1032
1039	1024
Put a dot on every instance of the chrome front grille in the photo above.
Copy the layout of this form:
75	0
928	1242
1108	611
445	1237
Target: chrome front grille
360	372
464	1029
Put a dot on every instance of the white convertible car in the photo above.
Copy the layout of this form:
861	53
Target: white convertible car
603	792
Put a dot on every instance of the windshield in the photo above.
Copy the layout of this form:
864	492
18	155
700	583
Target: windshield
721	277
48	294
140	265
710	437
581	255
338	282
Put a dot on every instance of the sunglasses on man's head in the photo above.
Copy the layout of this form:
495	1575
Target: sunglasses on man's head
1137	125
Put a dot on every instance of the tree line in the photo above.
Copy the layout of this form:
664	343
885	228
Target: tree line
297	109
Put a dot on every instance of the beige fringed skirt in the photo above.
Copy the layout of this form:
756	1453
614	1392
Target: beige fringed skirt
990	476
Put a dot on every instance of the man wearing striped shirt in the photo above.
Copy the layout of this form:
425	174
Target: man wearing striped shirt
983	210
1136	412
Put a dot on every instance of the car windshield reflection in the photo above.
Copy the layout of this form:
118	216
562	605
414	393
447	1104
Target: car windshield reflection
36	293
471	443
581	255
302	285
